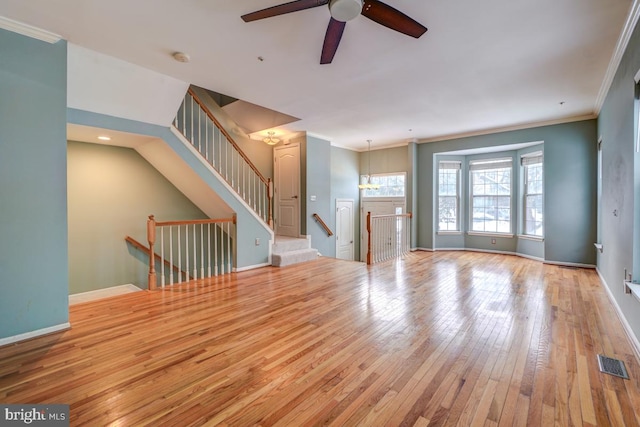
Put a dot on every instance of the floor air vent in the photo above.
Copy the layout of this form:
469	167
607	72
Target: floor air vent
612	366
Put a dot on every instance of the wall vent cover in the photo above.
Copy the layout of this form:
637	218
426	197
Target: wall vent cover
612	366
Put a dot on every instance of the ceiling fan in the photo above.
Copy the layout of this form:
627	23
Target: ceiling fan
341	12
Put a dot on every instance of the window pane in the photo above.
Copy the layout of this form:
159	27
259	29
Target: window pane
533	200
448	199
390	185
491	200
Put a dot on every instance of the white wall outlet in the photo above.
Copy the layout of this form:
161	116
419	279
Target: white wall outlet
313	198
257	241
493	241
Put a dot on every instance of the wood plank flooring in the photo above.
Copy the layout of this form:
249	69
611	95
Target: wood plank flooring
446	338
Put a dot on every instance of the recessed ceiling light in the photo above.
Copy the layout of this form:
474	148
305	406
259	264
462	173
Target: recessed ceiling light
104	138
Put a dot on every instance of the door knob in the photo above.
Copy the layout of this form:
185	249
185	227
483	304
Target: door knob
294	197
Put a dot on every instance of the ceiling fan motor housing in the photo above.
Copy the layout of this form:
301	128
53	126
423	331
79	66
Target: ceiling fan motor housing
345	10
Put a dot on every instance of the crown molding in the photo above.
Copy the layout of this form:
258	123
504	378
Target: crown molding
621	46
28	30
509	128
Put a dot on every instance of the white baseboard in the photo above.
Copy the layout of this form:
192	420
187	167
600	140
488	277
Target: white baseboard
635	344
33	334
102	293
251	267
570	264
535	258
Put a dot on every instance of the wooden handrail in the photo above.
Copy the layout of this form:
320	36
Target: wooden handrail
143	248
229	138
322	224
195	221
408	215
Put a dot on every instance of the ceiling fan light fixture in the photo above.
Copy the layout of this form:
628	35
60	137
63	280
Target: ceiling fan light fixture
345	10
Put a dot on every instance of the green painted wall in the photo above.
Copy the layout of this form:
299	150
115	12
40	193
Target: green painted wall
111	192
33	181
619	223
386	160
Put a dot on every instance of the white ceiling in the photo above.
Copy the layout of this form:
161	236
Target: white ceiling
481	66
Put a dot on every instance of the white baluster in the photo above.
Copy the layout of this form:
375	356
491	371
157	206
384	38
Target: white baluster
215	248
171	255
195	254
209	250
162	257
201	251
179	257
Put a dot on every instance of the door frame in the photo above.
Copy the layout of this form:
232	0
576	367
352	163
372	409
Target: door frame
276	176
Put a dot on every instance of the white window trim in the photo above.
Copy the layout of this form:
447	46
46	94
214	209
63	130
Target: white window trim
530	237
487	164
490	234
364	178
458	229
534	155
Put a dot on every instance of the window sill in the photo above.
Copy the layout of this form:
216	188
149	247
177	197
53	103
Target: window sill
449	233
480	233
534	238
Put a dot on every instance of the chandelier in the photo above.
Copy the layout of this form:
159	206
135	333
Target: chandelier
270	138
368	185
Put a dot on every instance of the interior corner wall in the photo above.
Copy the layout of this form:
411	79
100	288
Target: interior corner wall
111	192
33	181
620	198
570	166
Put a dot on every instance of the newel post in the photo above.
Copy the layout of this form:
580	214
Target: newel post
270	198
368	238
151	238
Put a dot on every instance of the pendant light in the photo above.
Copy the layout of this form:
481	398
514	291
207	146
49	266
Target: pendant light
369	185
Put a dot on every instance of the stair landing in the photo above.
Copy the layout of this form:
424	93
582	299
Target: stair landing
291	250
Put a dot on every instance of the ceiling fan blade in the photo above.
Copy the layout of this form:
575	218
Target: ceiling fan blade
331	40
281	9
392	18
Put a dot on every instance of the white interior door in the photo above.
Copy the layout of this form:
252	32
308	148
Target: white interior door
286	170
344	229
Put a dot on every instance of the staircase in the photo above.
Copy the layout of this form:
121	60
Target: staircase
291	250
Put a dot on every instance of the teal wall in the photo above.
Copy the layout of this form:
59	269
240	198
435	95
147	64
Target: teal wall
249	227
318	184
570	188
619	223
33	181
111	192
344	185
461	240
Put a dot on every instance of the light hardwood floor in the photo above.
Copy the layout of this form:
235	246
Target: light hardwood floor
446	338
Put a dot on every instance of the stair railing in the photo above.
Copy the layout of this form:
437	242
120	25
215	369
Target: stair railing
198	125
389	236
189	250
322	224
